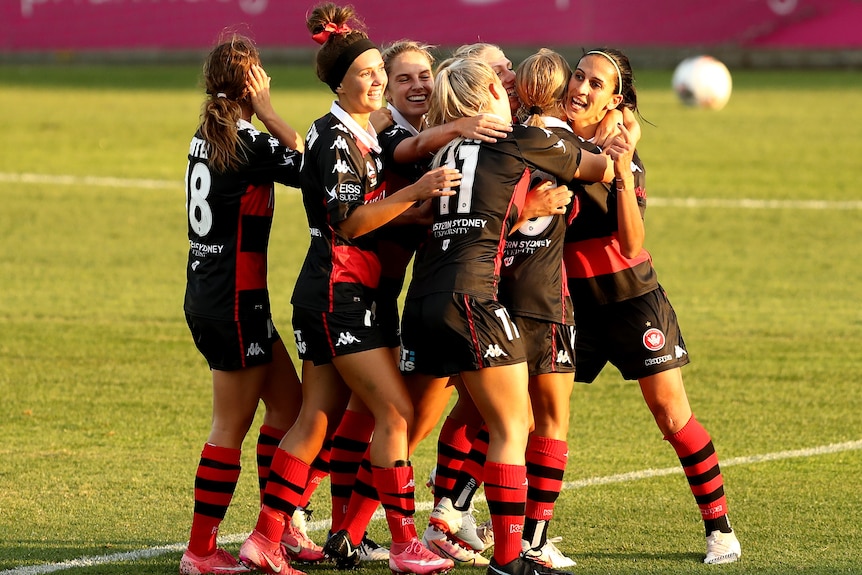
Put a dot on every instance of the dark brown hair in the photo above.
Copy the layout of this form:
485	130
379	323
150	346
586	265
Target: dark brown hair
225	74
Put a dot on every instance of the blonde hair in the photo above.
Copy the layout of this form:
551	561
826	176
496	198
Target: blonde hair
476	50
460	90
402	47
541	82
225	74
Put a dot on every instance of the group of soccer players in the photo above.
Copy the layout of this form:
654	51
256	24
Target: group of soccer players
520	199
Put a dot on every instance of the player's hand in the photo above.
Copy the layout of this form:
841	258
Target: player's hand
608	128
381	118
257	85
483	127
437	182
546	199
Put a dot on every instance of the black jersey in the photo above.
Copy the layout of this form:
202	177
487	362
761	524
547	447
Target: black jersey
533	279
598	272
229	221
341	171
464	249
397	242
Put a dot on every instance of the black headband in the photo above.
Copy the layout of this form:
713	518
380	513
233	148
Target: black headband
345	59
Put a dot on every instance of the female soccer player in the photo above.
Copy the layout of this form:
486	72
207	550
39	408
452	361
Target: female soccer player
230	198
406	146
453	323
341	346
623	315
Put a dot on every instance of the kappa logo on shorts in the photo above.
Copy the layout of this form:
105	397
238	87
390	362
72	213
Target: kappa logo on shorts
679	351
495	351
653	339
346	338
254	349
563	357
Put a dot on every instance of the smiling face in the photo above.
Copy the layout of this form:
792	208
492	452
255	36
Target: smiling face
361	90
502	66
410	84
592	92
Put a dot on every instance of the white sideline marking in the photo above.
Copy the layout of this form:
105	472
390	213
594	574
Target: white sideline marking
109	182
323	524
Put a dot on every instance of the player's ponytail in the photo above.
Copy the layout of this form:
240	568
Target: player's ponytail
342	37
225	76
542	81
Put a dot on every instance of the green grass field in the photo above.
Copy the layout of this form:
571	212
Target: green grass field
106	403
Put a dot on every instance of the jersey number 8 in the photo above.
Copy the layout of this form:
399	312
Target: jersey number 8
198	183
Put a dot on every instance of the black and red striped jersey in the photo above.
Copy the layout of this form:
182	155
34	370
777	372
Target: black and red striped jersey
464	249
598	272
341	170
229	221
533	278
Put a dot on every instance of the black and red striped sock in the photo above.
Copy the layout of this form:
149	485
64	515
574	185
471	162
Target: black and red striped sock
506	493
267	443
349	444
363	501
319	470
546	464
699	460
288	477
472	472
215	482
396	488
453	447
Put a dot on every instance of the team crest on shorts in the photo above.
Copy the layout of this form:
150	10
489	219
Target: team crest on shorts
653	339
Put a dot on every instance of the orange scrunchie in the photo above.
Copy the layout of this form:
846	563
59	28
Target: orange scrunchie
322	36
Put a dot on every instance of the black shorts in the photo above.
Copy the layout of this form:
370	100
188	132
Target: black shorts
639	336
233	345
386	310
550	346
320	335
447	333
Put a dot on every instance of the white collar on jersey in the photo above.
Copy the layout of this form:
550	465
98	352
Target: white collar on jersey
552	122
244	125
367	137
402	121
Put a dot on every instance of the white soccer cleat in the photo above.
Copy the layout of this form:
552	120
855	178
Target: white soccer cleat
371	551
548	554
722	548
461	525
438	543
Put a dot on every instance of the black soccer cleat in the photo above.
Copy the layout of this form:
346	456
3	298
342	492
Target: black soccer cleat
340	549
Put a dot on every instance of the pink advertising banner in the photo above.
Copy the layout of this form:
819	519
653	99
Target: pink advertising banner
86	25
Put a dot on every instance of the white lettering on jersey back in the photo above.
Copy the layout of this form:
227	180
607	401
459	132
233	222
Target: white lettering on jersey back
315	232
199	149
202	250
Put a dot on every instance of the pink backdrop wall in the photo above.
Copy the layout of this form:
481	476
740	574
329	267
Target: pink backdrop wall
59	25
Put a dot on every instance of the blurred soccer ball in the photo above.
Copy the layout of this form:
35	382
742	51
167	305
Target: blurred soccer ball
702	81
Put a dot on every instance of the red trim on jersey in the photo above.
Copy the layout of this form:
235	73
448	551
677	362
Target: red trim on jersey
519	196
251	266
472	325
353	265
326	331
598	257
241	343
